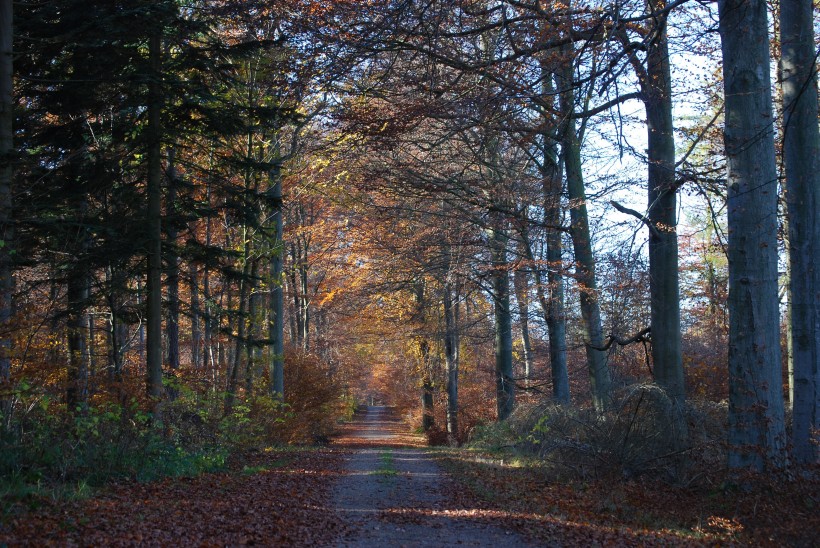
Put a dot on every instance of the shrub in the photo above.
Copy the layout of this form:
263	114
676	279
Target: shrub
638	435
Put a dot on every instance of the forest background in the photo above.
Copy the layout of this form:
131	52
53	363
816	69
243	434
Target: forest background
227	223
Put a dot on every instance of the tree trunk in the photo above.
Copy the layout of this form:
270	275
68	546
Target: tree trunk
196	333
6	227
154	222
554	312
116	336
801	147
756	422
277	324
293	306
551	187
522	289
504	378
662	214
252	346
582	244
552	307
451	344
172	273
304	298
242	320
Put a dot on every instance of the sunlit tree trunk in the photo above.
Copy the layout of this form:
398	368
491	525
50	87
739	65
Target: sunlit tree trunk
756	421
582	245
801	147
522	289
6	227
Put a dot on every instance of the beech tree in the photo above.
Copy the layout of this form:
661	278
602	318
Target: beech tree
801	150
756	421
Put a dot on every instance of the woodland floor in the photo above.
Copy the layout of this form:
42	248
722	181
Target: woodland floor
376	485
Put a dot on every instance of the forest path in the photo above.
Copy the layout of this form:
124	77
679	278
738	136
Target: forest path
394	494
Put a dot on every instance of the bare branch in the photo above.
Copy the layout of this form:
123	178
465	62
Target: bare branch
652	228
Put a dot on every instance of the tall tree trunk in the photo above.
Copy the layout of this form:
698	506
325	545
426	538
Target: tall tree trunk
252	344
196	333
428	420
242	321
304	295
293	305
582	245
154	223
116	328
554	311
277	324
504	378
801	147
207	307
756	421
427	387
662	214
6	227
522	289
552	190
172	257
552	307
451	355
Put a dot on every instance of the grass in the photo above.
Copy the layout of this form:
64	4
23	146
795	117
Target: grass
387	466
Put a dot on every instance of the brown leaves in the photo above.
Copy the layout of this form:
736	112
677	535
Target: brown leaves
279	505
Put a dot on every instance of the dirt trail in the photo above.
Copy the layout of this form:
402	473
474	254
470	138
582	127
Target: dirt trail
391	494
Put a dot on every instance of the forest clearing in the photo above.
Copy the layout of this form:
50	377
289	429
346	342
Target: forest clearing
511	272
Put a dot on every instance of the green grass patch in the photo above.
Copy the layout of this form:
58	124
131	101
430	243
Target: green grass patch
387	466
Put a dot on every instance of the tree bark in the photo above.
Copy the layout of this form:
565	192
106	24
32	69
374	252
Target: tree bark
154	223
252	344
522	288
801	147
6	207
172	257
662	214
277	324
582	244
196	332
504	378
451	344
116	330
756	421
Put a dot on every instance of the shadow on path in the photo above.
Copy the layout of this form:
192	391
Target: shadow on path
393	493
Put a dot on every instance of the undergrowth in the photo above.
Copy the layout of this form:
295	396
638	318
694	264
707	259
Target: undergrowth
641	434
52	452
